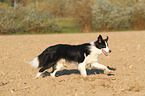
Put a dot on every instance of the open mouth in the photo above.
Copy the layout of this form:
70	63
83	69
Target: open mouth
104	52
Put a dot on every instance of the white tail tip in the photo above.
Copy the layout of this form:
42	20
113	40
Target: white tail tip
34	63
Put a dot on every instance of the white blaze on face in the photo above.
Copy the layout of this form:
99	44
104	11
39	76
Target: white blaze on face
104	50
107	48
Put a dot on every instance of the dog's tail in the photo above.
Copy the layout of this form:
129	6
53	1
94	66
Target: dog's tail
34	63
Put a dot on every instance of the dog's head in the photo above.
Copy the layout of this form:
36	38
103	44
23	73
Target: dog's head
102	45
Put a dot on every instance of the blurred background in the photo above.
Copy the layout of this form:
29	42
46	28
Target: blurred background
70	16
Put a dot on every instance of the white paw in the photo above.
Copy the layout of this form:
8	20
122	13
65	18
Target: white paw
109	71
83	75
52	75
38	74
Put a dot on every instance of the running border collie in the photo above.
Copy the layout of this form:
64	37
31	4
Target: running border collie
81	55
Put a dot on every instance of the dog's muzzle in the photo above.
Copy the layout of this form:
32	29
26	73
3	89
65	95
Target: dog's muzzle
105	53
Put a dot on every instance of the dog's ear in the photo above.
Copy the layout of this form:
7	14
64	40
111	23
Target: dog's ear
107	39
100	39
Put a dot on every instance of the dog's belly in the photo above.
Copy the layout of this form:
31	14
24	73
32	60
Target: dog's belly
66	62
91	59
87	61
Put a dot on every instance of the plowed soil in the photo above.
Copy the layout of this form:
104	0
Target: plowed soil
127	57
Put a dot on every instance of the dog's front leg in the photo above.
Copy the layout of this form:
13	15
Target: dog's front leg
101	67
82	69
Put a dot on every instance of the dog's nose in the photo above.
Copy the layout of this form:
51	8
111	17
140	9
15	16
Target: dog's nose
109	51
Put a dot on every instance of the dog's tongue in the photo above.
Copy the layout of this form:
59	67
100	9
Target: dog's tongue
104	52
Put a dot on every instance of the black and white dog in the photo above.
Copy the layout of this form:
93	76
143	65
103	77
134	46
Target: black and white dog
81	55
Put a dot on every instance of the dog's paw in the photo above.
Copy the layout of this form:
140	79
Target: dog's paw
52	75
38	74
109	71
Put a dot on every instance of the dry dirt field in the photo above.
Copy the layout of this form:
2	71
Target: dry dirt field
128	57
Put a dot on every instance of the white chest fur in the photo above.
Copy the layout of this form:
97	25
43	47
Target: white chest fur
94	55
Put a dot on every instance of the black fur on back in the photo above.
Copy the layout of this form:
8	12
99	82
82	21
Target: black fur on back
52	54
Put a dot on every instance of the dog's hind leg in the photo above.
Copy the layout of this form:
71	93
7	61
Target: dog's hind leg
101	67
46	66
41	71
57	67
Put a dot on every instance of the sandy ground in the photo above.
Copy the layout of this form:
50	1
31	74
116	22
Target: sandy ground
128	57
